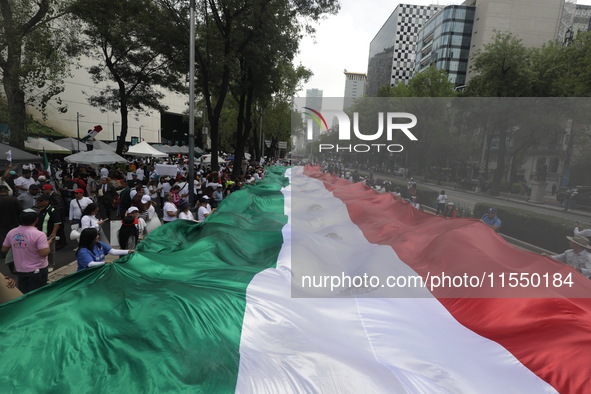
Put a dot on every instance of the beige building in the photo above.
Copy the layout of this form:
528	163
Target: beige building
535	22
354	87
81	116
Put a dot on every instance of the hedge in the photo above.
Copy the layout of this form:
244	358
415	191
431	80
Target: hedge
547	232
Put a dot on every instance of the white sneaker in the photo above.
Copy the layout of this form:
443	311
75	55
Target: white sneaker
50	269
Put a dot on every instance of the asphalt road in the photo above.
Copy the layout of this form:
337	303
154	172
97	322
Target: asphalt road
464	198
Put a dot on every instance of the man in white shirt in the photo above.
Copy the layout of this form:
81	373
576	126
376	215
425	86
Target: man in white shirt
77	205
578	256
140	174
23	182
204	211
104	171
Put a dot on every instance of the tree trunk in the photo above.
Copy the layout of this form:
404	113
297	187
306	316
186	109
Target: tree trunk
245	124
240	124
495	189
17	111
124	125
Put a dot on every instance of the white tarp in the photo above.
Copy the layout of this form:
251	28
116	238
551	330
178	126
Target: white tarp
166	170
40	144
145	150
96	157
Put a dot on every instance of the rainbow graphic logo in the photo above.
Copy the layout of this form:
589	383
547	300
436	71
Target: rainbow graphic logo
318	118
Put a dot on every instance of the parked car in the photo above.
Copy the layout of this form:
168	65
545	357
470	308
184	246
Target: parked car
581	197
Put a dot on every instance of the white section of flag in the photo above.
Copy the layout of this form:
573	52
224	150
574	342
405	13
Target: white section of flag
365	345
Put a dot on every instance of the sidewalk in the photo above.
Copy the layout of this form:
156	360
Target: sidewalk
62	272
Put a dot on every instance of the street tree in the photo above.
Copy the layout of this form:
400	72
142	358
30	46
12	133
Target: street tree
34	51
424	95
225	29
502	70
133	58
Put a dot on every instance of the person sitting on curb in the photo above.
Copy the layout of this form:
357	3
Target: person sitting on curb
491	219
577	256
91	252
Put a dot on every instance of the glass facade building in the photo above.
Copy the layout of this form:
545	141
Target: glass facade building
392	51
444	42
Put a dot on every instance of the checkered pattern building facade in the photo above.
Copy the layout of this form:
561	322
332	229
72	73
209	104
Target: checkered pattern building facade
410	19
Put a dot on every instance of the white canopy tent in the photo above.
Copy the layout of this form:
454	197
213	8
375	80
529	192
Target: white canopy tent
96	157
145	150
40	144
206	159
72	144
163	149
103	146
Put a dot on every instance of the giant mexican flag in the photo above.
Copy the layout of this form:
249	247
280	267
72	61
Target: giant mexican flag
209	308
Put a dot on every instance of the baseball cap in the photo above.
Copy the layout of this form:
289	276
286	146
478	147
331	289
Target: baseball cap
43	197
492	210
46	187
42	178
145	199
34	187
132	209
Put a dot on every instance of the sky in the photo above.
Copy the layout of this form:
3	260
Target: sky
342	42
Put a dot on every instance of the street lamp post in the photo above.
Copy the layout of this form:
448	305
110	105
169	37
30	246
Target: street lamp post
192	105
116	121
78	116
141	132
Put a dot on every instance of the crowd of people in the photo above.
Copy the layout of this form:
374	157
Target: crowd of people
37	206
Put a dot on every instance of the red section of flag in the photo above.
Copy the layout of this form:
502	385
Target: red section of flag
551	336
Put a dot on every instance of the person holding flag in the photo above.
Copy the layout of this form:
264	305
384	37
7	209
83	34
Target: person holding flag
90	137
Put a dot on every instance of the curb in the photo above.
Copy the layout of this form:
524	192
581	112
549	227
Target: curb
62	272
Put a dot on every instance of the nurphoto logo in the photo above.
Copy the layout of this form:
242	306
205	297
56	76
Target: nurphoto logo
391	122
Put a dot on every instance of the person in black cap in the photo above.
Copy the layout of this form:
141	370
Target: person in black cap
491	219
203	210
49	223
29	198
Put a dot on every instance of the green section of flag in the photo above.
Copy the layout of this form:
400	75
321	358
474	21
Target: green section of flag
167	319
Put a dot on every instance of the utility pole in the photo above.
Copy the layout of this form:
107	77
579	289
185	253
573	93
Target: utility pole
191	180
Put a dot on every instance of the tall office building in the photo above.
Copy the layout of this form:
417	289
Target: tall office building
575	19
444	42
392	51
533	22
314	101
354	88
